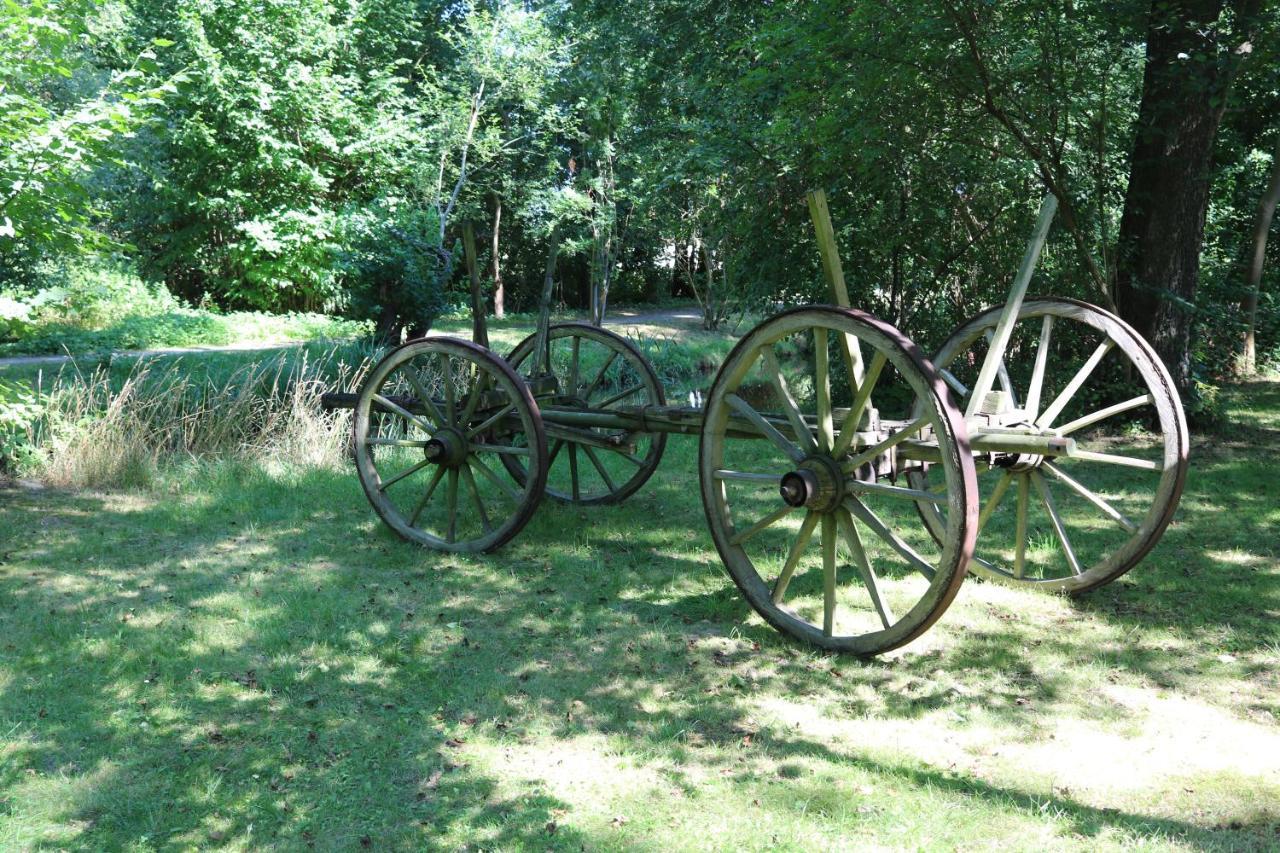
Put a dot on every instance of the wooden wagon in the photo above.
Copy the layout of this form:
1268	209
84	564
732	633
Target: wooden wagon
839	466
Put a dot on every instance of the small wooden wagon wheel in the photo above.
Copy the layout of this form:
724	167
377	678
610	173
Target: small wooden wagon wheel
795	467
433	422
1076	522
599	371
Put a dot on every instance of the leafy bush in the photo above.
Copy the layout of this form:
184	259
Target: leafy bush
399	271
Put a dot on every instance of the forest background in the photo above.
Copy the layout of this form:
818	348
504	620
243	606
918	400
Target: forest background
330	155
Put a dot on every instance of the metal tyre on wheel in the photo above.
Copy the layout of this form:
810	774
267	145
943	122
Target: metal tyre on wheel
1071	524
598	370
433	423
793	469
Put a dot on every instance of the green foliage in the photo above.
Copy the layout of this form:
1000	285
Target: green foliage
97	307
21	413
61	118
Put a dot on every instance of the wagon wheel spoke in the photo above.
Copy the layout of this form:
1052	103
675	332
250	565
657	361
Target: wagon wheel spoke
849	429
1077	382
883	447
426	497
485	471
1046	498
822	388
470	479
491	422
619	397
1102	414
630	457
396	408
599	466
828	574
573	471
555	451
1097	500
473	399
764	524
1114	459
415	379
746	477
405	474
863	487
501	449
450	392
860	560
397	442
766	429
793	556
1036	389
993	503
877	526
595	383
789	405
1006	382
1020	556
575	365
451	535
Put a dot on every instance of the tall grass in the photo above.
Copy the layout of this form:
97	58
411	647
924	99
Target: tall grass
101	430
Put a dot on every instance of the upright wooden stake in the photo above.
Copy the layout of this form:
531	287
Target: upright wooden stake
542	345
826	235
479	313
1004	329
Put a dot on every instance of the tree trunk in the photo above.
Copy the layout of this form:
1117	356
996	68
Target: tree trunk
1184	91
1253	280
499	290
479	326
710	312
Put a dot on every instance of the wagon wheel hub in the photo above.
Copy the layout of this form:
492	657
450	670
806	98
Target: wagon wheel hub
816	485
1021	463
447	448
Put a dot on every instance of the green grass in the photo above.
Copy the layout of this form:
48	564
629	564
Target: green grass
242	656
178	328
97	308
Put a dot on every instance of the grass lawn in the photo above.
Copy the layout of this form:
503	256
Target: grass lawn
242	656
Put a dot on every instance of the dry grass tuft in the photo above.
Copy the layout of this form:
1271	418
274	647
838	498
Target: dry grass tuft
101	431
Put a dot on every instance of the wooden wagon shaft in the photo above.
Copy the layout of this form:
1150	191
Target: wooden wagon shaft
580	425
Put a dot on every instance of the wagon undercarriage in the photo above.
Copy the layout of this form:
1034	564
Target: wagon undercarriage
845	478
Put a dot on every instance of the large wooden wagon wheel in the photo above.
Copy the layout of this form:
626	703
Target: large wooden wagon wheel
783	509
595	370
433	423
1071	523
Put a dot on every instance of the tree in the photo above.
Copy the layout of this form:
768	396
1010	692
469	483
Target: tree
1193	51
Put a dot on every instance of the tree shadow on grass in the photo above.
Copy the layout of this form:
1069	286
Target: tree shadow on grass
260	662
